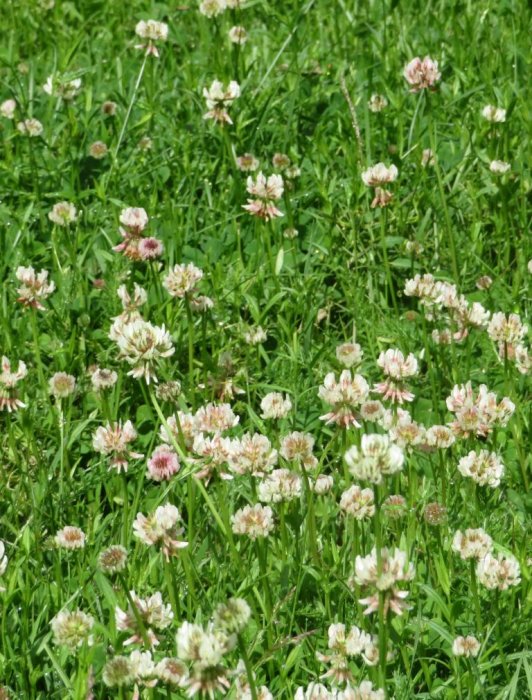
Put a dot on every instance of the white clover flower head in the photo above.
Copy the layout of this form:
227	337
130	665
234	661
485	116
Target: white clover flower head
30	127
238	35
59	86
466	646
212	8
182	280
70	537
264	191
494	114
349	354
63	214
219	98
252	454
253	521
379	174
474	543
375	458
484	467
279	485
72	629
8	108
498	571
142	345
34	288
9	400
274	405
421	74
499	167
377	103
62	385
113	440
345	396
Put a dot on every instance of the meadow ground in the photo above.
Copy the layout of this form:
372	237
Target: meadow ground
264	408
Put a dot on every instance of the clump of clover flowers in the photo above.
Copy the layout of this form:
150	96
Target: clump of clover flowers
200	666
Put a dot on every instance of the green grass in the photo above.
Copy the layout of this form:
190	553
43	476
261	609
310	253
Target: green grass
342	277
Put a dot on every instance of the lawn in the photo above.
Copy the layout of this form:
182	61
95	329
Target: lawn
264	399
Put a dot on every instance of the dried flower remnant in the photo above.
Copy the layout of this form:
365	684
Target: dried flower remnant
466	646
182	280
34	288
153	31
358	503
435	514
345	396
253	521
494	114
153	613
30	127
109	108
113	440
70	537
498	572
483	467
376	457
264	191
377	103
163	463
59	86
8	108
395	568
62	385
98	150
113	559
142	345
9	400
219	99
422	74
247	163
472	544
168	391
161	527
499	167
484	282
395	506
72	629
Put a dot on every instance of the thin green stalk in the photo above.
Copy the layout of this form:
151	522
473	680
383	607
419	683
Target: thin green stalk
249	669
